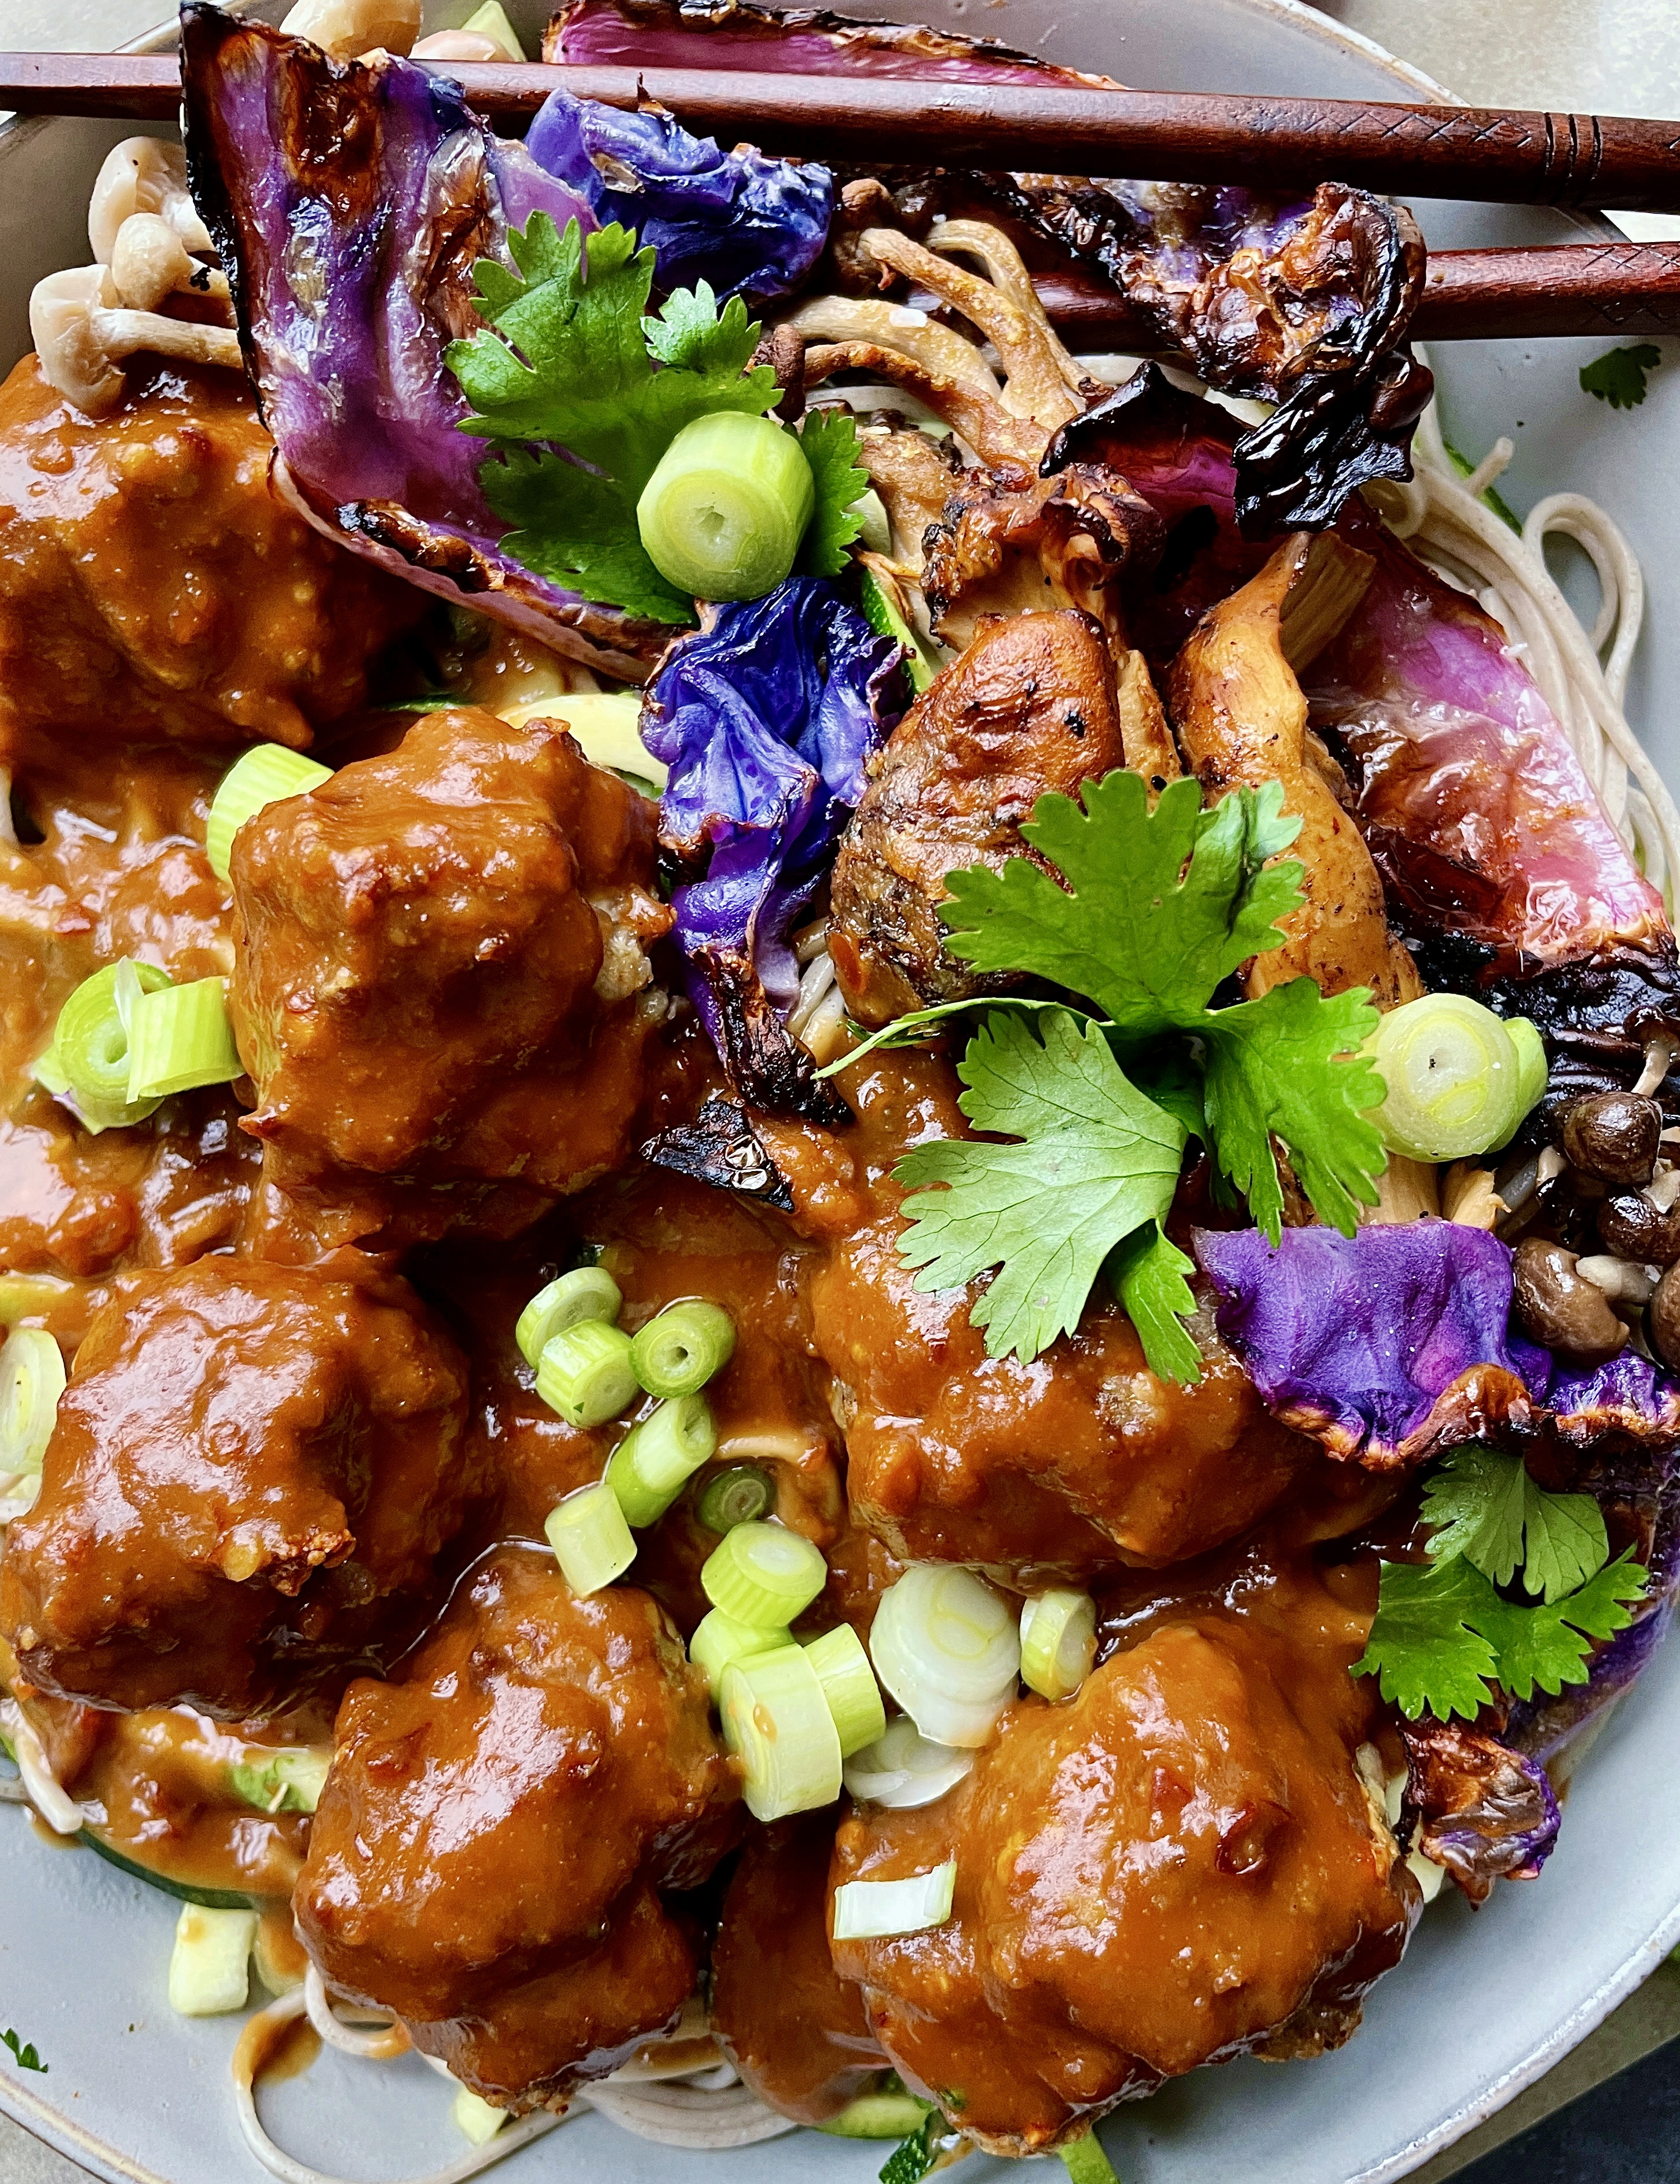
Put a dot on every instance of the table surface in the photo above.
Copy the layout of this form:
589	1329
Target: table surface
1606	56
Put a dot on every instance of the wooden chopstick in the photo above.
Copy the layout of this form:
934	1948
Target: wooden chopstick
1613	290
1276	144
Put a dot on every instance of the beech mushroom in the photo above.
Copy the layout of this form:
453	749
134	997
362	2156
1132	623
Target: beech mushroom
143	174
82	341
346	28
1613	1135
1558	1307
150	262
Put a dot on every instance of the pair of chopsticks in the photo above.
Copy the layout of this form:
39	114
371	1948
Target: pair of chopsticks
1610	287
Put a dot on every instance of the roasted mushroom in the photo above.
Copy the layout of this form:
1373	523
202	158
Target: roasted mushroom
1558	1307
1614	1136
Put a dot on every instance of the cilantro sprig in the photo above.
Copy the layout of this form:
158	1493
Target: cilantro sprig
23	2050
570	359
1144	915
1445	1636
1619	376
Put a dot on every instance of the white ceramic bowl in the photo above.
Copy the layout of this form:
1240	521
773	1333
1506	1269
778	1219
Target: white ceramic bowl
1484	2002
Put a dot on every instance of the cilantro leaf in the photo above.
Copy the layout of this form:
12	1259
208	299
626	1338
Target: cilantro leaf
1097	1160
830	442
912	2157
1289	1066
1443	1634
1549	1646
1618	376
568	359
919	1024
1485	1506
1148	1271
1160	905
23	2051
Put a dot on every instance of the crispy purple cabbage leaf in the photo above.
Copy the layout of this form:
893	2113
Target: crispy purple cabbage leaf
751	226
1474	1805
766	721
1393	1345
349	203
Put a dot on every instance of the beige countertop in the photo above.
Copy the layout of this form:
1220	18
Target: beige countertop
1607	56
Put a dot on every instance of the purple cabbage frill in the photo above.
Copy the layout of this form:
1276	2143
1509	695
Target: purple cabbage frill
766	721
1393	1345
752	227
1478	1808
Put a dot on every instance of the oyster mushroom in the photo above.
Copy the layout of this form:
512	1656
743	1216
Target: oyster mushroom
143	175
82	341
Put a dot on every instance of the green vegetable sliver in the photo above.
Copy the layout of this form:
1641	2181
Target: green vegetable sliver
179	1037
264	775
735	1496
682	1347
723	514
655	1462
848	1685
90	1043
585	1293
591	1538
1453	1075
31	1381
764	1574
584	1372
776	1722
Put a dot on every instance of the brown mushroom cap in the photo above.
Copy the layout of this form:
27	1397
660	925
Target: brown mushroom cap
1614	1135
1662	1321
1559	1307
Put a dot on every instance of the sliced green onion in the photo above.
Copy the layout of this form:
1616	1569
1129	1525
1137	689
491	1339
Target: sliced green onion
735	1496
849	1686
682	1347
659	1455
179	1037
209	1967
870	511
94	1114
885	2114
903	1769
586	1293
475	2117
871	1910
1085	2162
286	1781
776	1723
31	1381
885	620
1452	1076
264	775
607	728
590	1538
719	1639
764	1574
584	1372
1058	1642
91	1041
722	516
1532	1069
946	1647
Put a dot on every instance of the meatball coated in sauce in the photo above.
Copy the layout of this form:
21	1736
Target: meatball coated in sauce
489	1850
1181	1864
152	586
253	1470
795	2030
437	975
1081	1457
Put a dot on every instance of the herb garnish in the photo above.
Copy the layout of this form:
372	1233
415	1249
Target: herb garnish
573	362
1443	1635
23	2051
1618	376
1159	908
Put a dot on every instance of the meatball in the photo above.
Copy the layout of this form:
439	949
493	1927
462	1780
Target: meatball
1031	706
253	1468
489	1850
151	583
797	2031
437	975
1182	1863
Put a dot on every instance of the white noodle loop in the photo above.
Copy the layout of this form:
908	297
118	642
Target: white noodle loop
370	2045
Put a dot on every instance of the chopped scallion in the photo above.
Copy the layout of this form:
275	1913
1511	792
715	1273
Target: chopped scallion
659	1454
1085	2162
885	2114
264	775
849	1686
764	1574
903	1769
591	1539
737	1496
585	1293
682	1347
776	1723
585	1374
871	1910
607	726
1454	1077
1058	1642
179	1037
719	1639
723	514
947	1645
210	1967
31	1381
91	1043
1532	1069
289	1780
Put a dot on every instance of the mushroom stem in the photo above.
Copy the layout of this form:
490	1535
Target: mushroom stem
143	174
149	263
1659	1055
896	327
1006	270
80	342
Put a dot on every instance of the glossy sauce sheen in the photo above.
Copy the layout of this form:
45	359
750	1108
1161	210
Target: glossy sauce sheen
300	1474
